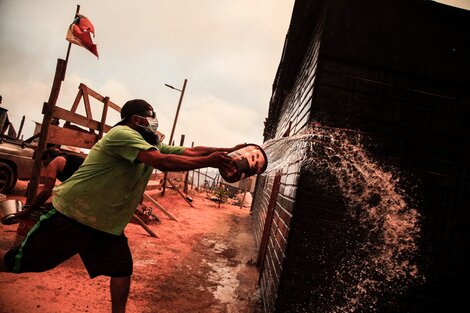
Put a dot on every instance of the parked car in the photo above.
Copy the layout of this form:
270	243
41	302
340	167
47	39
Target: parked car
16	161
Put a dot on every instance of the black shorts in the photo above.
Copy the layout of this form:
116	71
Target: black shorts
56	238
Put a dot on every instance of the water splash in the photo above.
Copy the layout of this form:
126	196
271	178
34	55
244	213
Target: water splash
382	262
284	151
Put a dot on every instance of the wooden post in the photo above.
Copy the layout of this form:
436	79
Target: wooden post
180	193
103	118
267	224
47	110
146	196
144	226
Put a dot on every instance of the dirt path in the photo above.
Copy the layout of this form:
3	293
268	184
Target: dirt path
200	264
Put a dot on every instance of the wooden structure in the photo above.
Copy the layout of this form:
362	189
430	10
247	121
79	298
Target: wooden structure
74	131
78	131
72	135
400	71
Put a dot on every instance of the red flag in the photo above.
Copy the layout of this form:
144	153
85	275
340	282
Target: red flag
79	33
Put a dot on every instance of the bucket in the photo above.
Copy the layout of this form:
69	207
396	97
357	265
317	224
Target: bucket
8	210
249	160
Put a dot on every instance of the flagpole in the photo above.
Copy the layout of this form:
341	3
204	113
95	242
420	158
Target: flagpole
70	46
47	111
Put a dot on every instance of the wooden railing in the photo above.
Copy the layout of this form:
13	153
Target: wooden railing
73	135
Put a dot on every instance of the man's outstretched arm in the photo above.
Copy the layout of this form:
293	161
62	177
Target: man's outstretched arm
201	151
173	162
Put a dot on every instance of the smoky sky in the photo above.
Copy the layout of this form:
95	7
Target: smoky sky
228	50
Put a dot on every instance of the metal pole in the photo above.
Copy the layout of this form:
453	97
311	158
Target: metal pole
174	126
177	111
70	46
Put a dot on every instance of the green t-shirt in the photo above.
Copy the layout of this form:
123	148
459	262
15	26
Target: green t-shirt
105	191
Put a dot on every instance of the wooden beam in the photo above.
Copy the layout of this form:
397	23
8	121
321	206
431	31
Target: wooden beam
103	118
70	137
48	108
78	119
69	134
75	104
86	101
146	196
77	100
144	226
101	98
180	193
93	93
268	223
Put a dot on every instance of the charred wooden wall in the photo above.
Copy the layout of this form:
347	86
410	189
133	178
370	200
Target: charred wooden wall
402	74
399	70
293	116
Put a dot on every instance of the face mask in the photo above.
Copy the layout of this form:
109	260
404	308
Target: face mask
149	132
152	123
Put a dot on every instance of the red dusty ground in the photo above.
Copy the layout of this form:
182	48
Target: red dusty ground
201	263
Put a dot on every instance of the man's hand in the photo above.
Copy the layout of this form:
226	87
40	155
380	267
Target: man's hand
221	161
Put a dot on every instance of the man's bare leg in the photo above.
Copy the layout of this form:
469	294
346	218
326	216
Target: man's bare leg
119	292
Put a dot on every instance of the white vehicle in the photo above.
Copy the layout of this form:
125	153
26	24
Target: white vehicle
16	161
